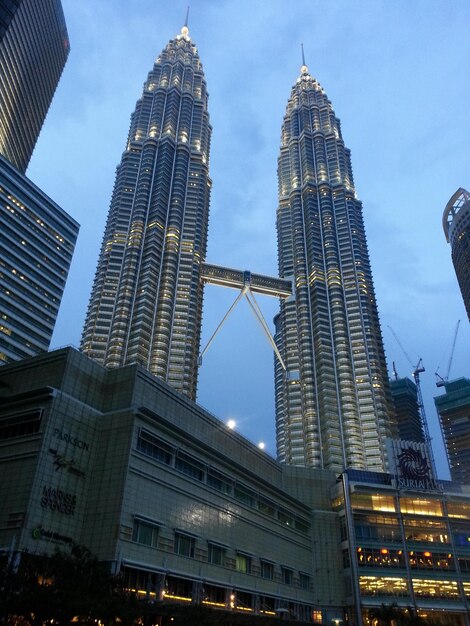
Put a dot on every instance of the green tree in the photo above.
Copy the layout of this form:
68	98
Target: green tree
63	586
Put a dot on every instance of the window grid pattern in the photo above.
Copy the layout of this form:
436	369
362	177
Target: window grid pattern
146	301
333	405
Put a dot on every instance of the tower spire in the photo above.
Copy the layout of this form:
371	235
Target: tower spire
185	29
304	68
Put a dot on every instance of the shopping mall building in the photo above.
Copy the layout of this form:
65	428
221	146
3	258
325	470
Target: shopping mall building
192	513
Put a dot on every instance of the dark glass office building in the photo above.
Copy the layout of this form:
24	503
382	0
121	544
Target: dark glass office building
8	9
407	415
456	224
38	240
453	408
333	401
33	51
146	301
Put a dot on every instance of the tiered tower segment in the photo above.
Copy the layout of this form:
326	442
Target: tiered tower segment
146	302
333	403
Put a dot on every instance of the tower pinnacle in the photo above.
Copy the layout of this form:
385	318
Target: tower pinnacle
304	68
185	29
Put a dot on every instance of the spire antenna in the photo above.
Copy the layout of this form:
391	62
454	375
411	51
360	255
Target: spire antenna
185	29
304	68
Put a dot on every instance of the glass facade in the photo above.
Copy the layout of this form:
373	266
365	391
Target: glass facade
38	240
405	403
453	409
410	549
34	47
146	302
333	402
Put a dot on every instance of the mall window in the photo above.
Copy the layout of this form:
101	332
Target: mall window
285	517
431	531
244	495
189	466
20	425
184	545
380	557
267	570
383	586
243	563
421	506
219	481
267	507
216	554
372	502
151	446
304	580
214	595
145	532
287	575
435	588
459	509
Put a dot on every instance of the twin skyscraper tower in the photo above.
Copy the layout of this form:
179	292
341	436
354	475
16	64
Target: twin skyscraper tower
332	396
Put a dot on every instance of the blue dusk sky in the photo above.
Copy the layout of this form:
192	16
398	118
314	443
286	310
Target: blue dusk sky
397	73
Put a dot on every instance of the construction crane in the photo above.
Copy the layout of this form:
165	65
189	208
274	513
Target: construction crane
441	380
417	370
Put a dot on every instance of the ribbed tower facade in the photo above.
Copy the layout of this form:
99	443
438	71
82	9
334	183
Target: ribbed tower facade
34	47
146	301
456	225
333	400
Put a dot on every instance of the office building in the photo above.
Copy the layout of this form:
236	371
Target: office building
146	301
33	52
456	224
407	415
333	401
8	9
38	240
185	509
453	408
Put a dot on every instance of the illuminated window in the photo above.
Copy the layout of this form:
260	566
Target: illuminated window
372	501
421	506
243	563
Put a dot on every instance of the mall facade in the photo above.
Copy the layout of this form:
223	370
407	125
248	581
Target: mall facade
191	513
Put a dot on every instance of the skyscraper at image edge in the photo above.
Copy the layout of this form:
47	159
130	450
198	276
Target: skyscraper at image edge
333	401
456	225
34	47
146	301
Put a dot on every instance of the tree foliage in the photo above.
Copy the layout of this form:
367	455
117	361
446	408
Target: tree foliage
36	588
